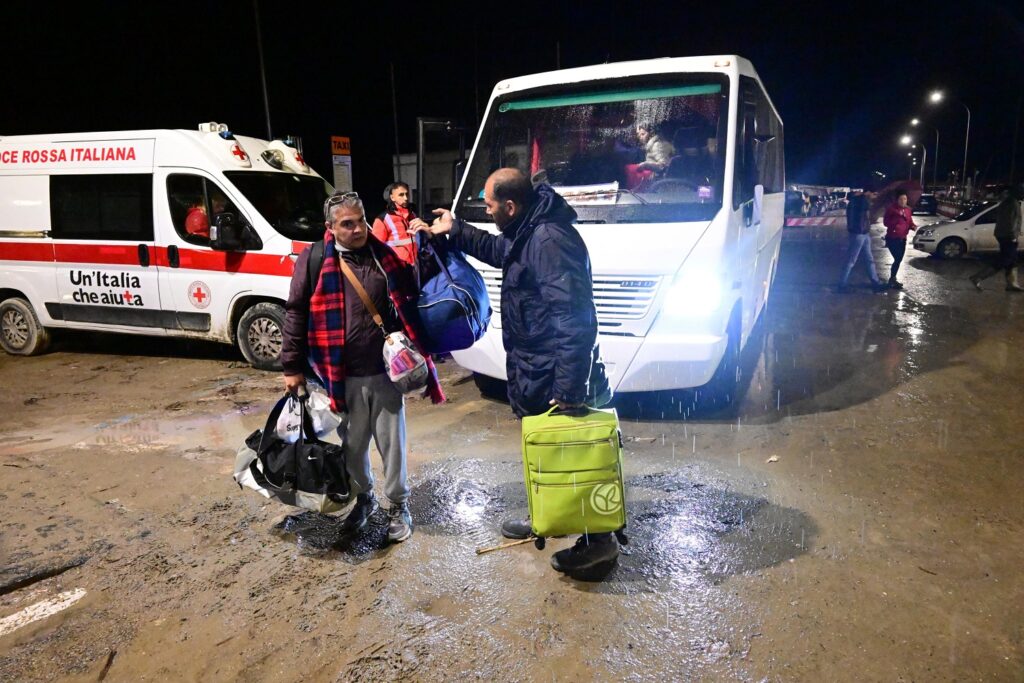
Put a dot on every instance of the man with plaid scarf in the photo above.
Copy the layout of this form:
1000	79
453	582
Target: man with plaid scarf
328	327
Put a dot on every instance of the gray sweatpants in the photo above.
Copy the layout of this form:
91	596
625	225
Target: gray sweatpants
377	409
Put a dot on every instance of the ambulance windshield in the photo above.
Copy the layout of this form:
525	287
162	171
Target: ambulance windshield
639	149
291	203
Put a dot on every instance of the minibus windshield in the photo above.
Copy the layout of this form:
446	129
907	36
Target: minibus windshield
648	149
291	203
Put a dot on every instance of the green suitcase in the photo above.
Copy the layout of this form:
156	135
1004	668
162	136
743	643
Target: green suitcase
572	465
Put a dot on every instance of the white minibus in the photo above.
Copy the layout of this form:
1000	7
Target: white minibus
675	168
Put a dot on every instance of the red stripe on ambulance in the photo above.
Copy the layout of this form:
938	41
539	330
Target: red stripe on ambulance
26	251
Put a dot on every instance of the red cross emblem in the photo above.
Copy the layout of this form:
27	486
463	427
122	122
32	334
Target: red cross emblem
237	150
199	294
298	158
127	296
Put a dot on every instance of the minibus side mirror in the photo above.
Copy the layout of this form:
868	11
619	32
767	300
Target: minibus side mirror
758	203
226	233
752	209
459	170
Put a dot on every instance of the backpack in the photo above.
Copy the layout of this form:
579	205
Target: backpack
454	308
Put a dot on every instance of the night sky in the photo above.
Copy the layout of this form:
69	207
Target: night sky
846	78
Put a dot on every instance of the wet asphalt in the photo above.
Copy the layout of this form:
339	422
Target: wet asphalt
833	387
855	515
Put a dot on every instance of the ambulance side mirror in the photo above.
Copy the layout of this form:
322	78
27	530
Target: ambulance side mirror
226	233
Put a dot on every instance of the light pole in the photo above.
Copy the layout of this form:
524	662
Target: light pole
935	161
936	97
907	140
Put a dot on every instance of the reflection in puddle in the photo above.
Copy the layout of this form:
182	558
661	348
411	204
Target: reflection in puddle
678	528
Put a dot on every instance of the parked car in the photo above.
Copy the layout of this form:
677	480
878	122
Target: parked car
926	205
970	231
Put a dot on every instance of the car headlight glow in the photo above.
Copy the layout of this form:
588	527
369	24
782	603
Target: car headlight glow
927	232
694	293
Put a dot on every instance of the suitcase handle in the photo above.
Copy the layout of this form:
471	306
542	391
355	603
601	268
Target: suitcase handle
575	412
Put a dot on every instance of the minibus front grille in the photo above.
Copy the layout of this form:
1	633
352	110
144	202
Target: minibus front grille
620	297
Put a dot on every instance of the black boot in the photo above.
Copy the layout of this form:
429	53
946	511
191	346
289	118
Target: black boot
517	528
589	552
366	505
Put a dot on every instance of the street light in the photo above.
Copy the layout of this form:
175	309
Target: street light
935	98
907	140
935	161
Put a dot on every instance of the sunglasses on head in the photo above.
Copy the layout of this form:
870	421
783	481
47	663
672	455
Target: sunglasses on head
336	199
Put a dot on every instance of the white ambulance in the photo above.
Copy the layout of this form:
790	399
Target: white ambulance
157	232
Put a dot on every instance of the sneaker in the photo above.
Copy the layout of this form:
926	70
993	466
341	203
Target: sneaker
589	552
517	528
976	282
399	522
366	505
878	287
893	284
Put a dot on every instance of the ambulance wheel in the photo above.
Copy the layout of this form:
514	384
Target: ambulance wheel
21	334
260	335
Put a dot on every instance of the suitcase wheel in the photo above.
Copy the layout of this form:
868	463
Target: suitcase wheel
539	542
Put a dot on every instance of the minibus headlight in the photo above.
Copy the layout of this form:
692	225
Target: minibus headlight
695	293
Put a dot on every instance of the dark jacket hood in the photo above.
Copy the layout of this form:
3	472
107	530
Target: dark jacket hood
549	207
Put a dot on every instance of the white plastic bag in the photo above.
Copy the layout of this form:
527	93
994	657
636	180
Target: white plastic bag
318	406
406	368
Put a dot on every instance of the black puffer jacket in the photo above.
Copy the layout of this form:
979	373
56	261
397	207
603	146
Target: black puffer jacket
548	319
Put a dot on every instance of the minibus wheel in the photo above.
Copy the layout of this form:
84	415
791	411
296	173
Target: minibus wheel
721	391
260	335
490	387
21	333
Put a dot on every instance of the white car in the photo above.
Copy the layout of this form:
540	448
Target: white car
970	231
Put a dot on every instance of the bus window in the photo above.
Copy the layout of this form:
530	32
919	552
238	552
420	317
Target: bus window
643	149
759	145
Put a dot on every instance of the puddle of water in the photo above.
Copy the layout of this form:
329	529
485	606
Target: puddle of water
679	529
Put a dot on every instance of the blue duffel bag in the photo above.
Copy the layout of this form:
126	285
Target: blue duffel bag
454	307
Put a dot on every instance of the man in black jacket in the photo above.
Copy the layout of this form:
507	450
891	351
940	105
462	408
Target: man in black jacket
548	318
858	225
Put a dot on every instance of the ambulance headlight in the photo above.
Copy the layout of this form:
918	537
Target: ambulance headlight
695	293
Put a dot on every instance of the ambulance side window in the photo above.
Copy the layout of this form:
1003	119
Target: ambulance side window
102	207
193	199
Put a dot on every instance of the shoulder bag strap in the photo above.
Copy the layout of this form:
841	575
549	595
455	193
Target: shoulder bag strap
358	286
314	265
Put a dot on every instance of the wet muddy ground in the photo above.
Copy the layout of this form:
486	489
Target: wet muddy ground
858	516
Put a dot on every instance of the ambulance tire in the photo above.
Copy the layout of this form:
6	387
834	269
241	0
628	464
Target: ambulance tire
21	333
260	335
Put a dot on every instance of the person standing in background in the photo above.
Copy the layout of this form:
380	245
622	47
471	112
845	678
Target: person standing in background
899	221
392	226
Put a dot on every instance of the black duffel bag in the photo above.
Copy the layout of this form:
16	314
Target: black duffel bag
308	473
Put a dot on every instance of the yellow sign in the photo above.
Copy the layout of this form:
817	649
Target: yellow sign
340	145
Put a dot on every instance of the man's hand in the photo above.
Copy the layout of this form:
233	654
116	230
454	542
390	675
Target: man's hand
441	225
566	407
293	382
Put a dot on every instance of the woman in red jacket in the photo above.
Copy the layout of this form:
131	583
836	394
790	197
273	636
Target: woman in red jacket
899	221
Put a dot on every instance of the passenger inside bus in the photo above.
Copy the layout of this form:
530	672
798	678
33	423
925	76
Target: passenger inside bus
658	152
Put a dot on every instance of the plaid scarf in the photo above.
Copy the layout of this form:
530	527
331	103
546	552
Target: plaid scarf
326	331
